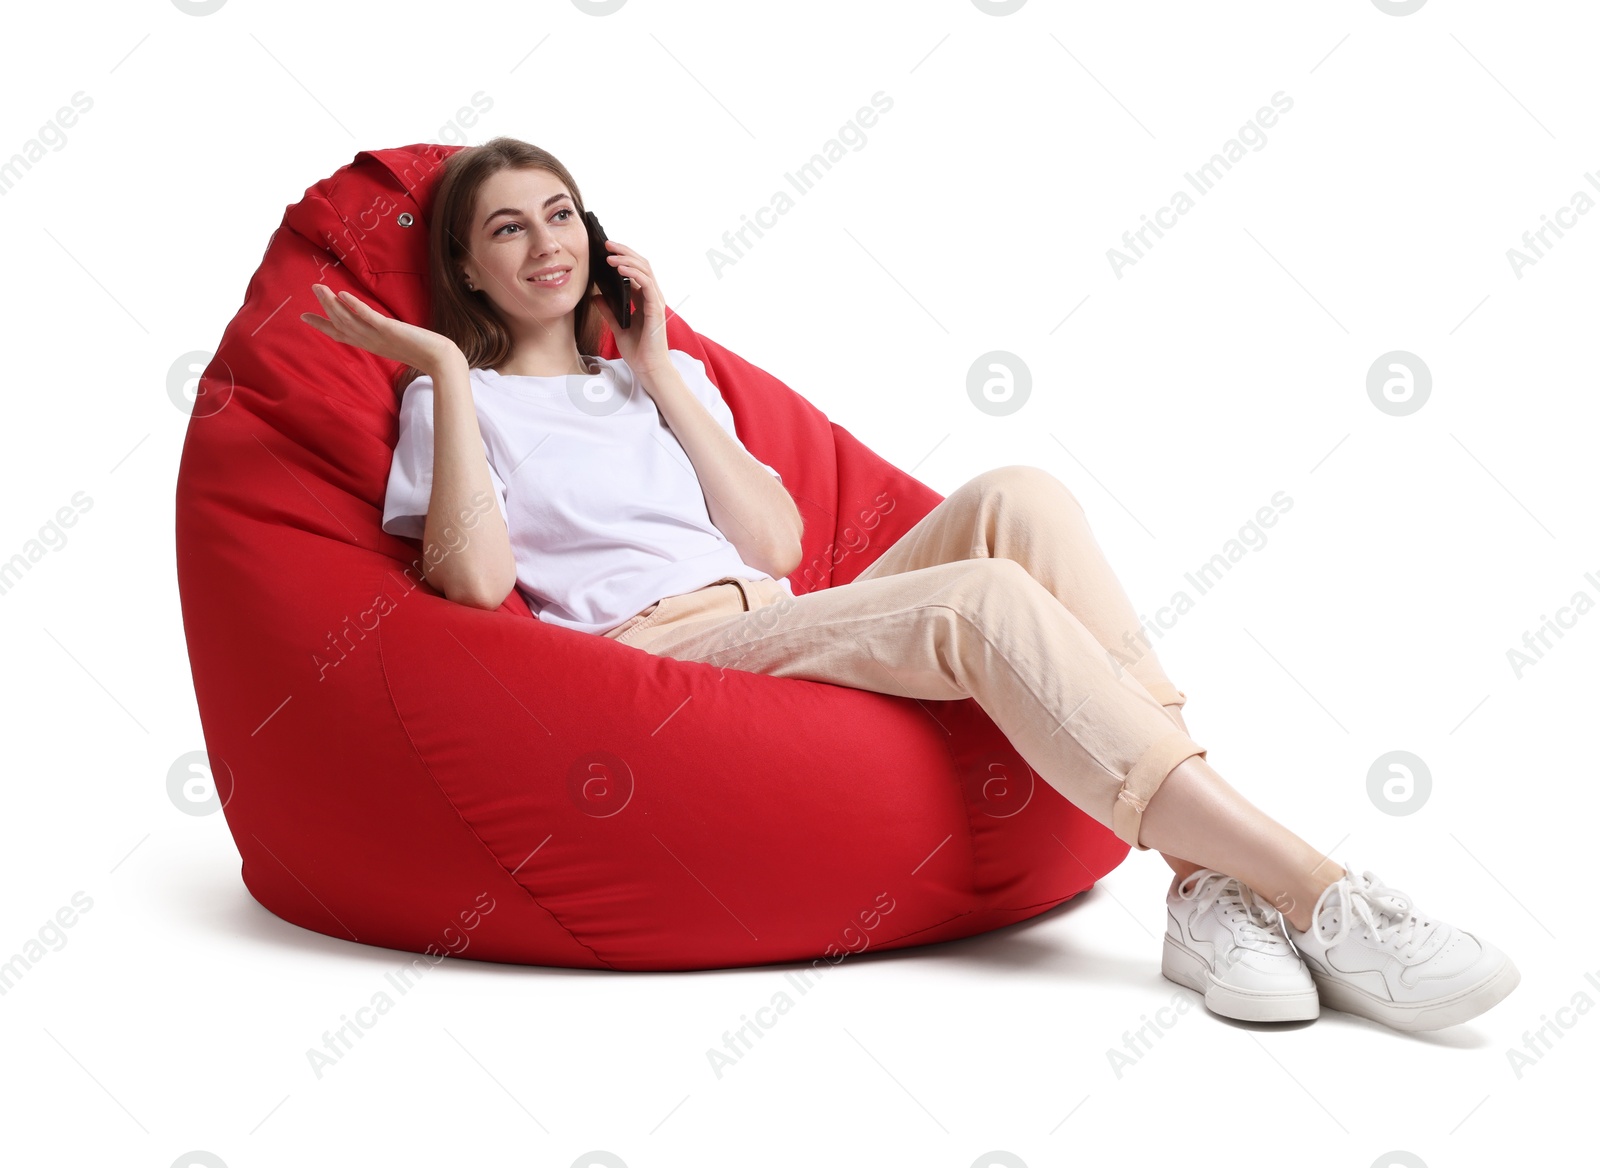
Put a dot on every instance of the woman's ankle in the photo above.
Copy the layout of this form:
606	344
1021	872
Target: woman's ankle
1299	912
1180	867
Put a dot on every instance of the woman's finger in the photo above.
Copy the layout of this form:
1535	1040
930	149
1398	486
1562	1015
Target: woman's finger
626	254
635	271
342	315
326	323
325	298
340	323
355	304
366	318
640	278
331	300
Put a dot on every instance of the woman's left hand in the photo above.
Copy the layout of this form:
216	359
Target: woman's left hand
643	344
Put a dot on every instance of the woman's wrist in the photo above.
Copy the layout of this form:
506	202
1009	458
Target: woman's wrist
653	373
442	358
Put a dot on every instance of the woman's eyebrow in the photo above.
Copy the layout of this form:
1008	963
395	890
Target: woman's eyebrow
493	215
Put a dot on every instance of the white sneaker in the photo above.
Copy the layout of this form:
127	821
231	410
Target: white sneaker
1225	942
1372	954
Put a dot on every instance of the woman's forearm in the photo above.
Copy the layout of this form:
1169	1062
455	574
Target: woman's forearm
748	505
464	530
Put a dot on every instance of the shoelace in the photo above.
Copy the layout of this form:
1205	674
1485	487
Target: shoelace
1238	900
1386	911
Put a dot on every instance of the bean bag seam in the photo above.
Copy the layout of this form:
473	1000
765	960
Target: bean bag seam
927	928
394	707
353	239
1053	900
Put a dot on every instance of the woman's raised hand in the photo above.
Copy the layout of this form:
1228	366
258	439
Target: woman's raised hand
353	322
643	344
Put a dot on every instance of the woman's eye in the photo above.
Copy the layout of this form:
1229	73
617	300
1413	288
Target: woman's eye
567	211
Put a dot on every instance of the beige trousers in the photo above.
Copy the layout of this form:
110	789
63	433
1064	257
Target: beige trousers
1001	594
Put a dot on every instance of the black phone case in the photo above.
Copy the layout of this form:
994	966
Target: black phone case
614	286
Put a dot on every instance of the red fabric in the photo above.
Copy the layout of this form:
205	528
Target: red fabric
409	772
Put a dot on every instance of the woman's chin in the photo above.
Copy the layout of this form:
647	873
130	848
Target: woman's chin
541	317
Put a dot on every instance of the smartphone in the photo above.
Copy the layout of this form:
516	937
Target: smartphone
614	286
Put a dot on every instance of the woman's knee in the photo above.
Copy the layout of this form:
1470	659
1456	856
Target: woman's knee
986	580
1024	485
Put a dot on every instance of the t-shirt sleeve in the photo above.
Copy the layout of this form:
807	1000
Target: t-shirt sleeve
405	503
700	384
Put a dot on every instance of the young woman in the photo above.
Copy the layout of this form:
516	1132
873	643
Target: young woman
617	496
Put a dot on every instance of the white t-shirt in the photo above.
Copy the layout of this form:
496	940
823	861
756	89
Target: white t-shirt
604	508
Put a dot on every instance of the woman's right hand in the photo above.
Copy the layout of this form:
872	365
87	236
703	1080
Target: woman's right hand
353	322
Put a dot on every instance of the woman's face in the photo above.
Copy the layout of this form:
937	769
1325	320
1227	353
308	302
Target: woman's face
525	222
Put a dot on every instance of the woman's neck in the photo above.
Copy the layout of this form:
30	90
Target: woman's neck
531	367
550	350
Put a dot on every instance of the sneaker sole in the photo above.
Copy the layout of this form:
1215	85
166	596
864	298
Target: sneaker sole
1188	968
1432	1015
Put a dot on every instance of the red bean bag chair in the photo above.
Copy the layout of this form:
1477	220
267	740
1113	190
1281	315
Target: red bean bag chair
402	770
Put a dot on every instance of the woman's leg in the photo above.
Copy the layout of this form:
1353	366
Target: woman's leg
982	598
1195	813
979	628
1278	864
1181	866
1026	514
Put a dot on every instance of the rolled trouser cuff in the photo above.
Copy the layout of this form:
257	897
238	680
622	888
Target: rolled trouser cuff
1154	765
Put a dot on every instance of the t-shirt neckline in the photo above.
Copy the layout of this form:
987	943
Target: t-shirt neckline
537	383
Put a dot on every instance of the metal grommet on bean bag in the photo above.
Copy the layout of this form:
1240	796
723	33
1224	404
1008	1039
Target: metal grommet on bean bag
413	773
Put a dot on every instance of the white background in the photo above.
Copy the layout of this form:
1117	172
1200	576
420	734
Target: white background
1227	364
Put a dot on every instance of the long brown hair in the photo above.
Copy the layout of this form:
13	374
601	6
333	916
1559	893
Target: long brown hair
470	319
